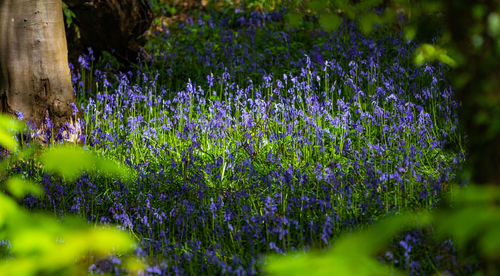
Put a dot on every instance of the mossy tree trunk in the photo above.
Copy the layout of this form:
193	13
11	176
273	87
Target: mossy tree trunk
34	73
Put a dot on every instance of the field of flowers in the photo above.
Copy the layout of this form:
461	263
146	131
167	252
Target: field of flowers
249	138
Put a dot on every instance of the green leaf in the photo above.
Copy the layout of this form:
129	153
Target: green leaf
368	5
8	209
478	11
112	168
477	195
19	266
8	127
318	6
30	239
419	58
368	20
10	123
134	265
52	245
351	254
7	141
410	33
330	21
293	19
325	264
377	236
444	58
490	243
19	187
430	7
69	161
467	223
107	240
429	53
493	24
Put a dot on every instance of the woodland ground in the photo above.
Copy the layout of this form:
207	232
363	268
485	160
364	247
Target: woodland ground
250	138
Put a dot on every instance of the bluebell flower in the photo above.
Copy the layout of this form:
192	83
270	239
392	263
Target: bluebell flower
83	60
20	115
49	123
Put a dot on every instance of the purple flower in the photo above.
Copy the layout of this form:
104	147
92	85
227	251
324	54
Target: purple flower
153	270
273	246
213	208
74	107
49	123
84	62
20	115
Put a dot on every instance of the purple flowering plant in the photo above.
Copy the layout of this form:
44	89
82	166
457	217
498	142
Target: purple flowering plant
34	242
277	140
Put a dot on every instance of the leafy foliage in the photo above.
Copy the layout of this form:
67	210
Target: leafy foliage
251	137
474	216
39	243
77	159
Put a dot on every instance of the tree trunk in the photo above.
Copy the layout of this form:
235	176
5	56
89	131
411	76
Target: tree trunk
34	72
115	26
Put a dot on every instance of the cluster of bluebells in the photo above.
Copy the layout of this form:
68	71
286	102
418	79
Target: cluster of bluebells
411	252
244	45
231	168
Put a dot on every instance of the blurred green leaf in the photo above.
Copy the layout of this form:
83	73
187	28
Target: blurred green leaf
325	264
8	127
69	161
419	58
429	53
490	243
478	11
293	19
466	223
109	167
134	265
8	209
98	242
351	254
19	266
475	215
444	58
368	21
377	236
474	194
33	240
410	33
42	243
19	187
367	5
318	6
10	123
7	141
345	7
330	21
477	41
106	240
493	24
430	7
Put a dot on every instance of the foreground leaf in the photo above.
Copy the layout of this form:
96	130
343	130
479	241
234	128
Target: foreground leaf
69	161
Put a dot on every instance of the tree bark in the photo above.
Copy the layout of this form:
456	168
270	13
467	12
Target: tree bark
115	26
34	72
